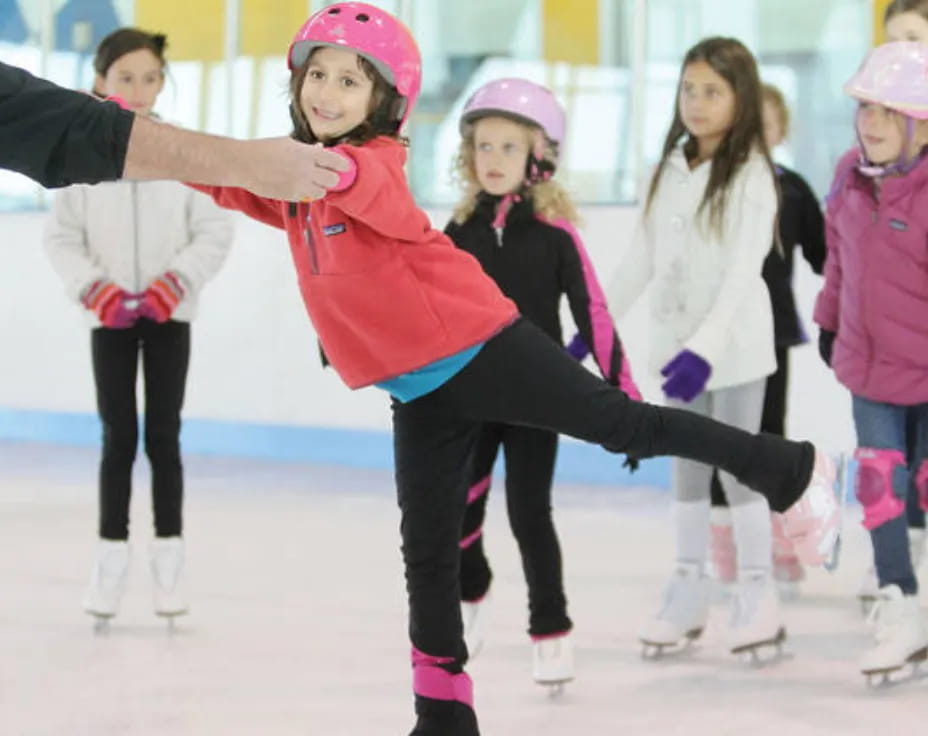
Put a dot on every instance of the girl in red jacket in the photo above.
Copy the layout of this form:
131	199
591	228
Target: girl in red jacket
395	304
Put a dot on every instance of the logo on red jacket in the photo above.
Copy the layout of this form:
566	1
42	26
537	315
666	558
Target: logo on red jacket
334	229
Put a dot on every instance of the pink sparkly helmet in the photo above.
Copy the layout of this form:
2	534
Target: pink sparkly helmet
520	99
894	75
372	34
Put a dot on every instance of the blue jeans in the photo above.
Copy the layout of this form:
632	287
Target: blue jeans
904	428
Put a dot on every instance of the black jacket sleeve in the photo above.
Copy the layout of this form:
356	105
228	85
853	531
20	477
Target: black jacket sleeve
57	136
812	228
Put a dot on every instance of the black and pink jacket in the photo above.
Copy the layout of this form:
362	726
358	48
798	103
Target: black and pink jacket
535	262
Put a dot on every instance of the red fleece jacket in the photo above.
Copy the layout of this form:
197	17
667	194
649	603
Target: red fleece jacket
386	293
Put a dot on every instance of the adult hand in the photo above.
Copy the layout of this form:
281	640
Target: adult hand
282	168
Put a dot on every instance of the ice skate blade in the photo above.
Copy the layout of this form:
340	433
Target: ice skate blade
555	688
171	619
880	679
101	623
655	650
750	653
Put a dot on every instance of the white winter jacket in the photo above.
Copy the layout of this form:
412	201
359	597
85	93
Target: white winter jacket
707	294
131	232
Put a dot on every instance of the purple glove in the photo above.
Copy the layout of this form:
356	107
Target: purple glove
577	348
686	376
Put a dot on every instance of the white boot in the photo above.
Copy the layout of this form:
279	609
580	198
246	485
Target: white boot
900	633
107	578
474	615
553	660
167	562
755	616
684	611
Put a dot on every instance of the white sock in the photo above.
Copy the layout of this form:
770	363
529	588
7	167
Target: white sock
691	520
753	535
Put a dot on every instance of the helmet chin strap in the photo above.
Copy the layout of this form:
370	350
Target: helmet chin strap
901	165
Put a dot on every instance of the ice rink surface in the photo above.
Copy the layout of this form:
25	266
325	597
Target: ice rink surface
297	623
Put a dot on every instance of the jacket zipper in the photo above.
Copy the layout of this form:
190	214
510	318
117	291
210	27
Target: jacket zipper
135	236
311	244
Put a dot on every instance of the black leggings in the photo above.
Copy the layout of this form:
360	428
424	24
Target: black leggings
530	457
165	352
523	377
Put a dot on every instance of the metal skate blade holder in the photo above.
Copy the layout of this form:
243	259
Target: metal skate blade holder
653	650
885	680
101	624
750	653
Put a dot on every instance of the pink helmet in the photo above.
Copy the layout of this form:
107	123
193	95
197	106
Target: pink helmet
519	98
371	33
894	75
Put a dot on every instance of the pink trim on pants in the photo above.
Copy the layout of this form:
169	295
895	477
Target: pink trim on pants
431	681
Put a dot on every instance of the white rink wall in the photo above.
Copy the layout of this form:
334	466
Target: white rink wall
255	359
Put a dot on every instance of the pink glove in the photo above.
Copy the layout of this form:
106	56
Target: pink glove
627	383
162	297
114	307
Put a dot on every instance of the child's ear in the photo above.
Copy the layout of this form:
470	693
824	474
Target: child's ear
98	84
538	144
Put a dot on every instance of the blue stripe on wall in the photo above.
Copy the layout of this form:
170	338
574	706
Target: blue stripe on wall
577	462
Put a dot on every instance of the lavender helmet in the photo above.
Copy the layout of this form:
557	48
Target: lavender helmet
520	99
894	75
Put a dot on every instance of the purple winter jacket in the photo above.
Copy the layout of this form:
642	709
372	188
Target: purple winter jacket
875	295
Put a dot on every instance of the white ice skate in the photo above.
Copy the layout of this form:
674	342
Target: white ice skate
901	637
683	613
167	562
107	582
813	523
756	624
474	615
553	662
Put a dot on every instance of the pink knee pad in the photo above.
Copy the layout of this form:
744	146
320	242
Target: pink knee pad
921	484
431	681
874	485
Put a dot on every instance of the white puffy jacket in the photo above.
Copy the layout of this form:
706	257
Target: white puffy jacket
708	295
131	232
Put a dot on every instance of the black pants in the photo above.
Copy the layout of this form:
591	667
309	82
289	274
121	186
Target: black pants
530	456
523	377
773	419
165	350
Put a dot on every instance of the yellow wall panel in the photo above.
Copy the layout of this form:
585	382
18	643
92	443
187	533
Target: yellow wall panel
268	33
195	28
879	8
571	31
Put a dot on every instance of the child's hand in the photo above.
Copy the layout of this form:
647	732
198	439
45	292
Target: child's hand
161	298
826	344
114	307
687	375
577	348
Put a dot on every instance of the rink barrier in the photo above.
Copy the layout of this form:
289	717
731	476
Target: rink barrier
577	462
